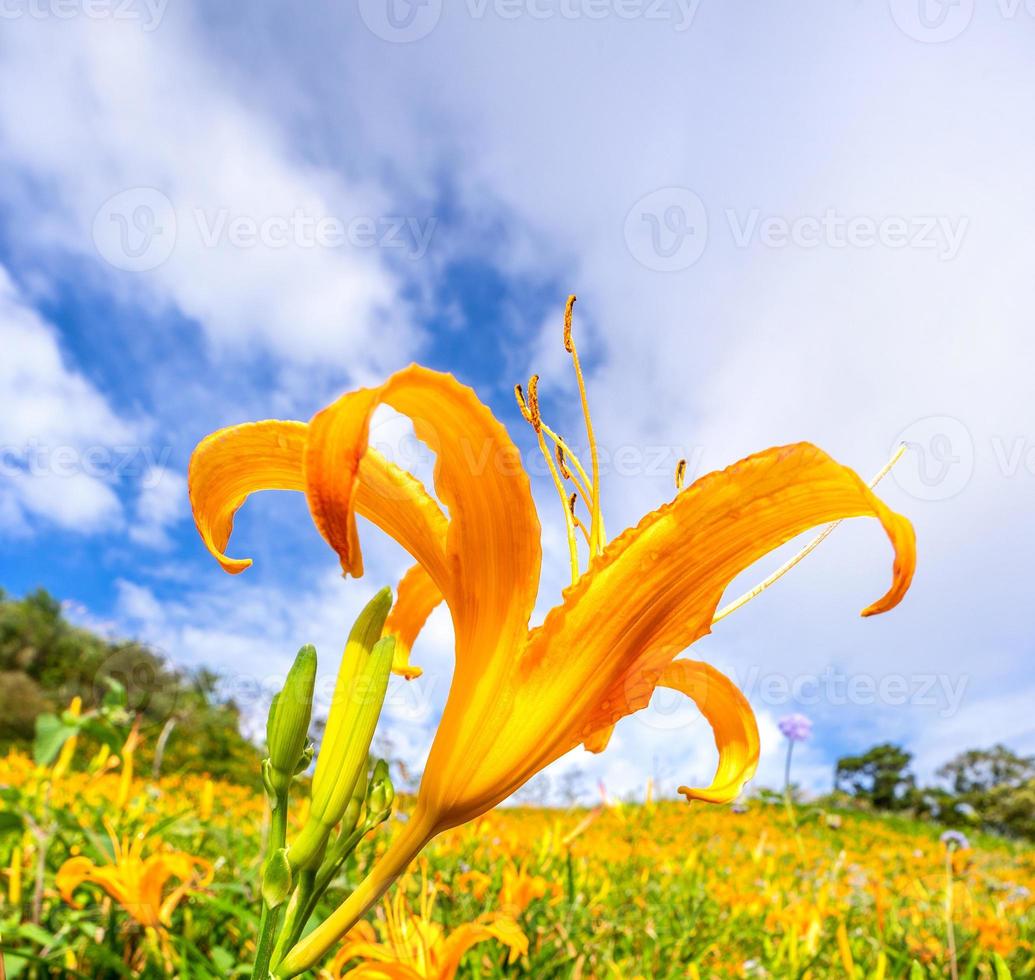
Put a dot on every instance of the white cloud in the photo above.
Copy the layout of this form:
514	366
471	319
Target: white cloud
57	429
161	504
172	174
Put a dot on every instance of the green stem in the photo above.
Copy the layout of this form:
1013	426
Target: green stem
311	887
296	916
268	917
264	945
949	927
789	800
406	846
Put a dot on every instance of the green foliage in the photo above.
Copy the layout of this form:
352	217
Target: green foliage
991	789
879	776
994	787
45	661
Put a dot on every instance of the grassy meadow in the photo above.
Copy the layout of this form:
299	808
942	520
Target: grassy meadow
110	874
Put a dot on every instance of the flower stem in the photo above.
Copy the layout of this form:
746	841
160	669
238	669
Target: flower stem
406	846
950	929
788	799
268	917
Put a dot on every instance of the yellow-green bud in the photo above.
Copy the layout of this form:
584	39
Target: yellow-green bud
358	698
381	794
287	727
350	817
276	879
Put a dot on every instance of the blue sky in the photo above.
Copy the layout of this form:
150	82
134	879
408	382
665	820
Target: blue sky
802	221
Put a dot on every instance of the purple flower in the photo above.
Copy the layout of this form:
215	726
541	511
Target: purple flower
951	837
796	727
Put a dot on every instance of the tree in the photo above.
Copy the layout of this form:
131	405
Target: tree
45	661
981	770
996	785
879	776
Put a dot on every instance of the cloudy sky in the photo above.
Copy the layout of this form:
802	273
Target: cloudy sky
784	221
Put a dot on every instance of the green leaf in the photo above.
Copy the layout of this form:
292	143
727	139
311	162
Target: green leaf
10	823
51	735
1002	971
916	971
223	960
35	934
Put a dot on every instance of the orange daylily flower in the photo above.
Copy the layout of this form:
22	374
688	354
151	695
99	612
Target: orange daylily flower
520	889
137	883
522	698
415	947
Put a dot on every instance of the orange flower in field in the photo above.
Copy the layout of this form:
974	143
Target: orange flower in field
522	698
475	883
137	883
520	889
994	935
415	947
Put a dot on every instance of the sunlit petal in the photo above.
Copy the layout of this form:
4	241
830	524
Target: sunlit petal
231	464
416	597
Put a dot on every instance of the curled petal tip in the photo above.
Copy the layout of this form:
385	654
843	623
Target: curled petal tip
718	796
904	541
234	566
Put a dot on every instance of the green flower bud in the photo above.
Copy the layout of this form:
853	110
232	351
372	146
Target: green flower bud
287	727
306	758
276	879
351	816
267	782
358	698
381	795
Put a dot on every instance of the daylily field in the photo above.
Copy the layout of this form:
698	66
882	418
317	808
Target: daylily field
110	875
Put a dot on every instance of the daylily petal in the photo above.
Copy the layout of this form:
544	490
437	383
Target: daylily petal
382	971
598	740
235	462
232	463
493	529
71	875
600	654
733	723
461	939
416	597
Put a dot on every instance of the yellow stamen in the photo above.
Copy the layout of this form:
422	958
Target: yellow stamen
805	552
572	500
569	456
680	474
535	420
530	410
533	403
522	404
597	533
565	472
